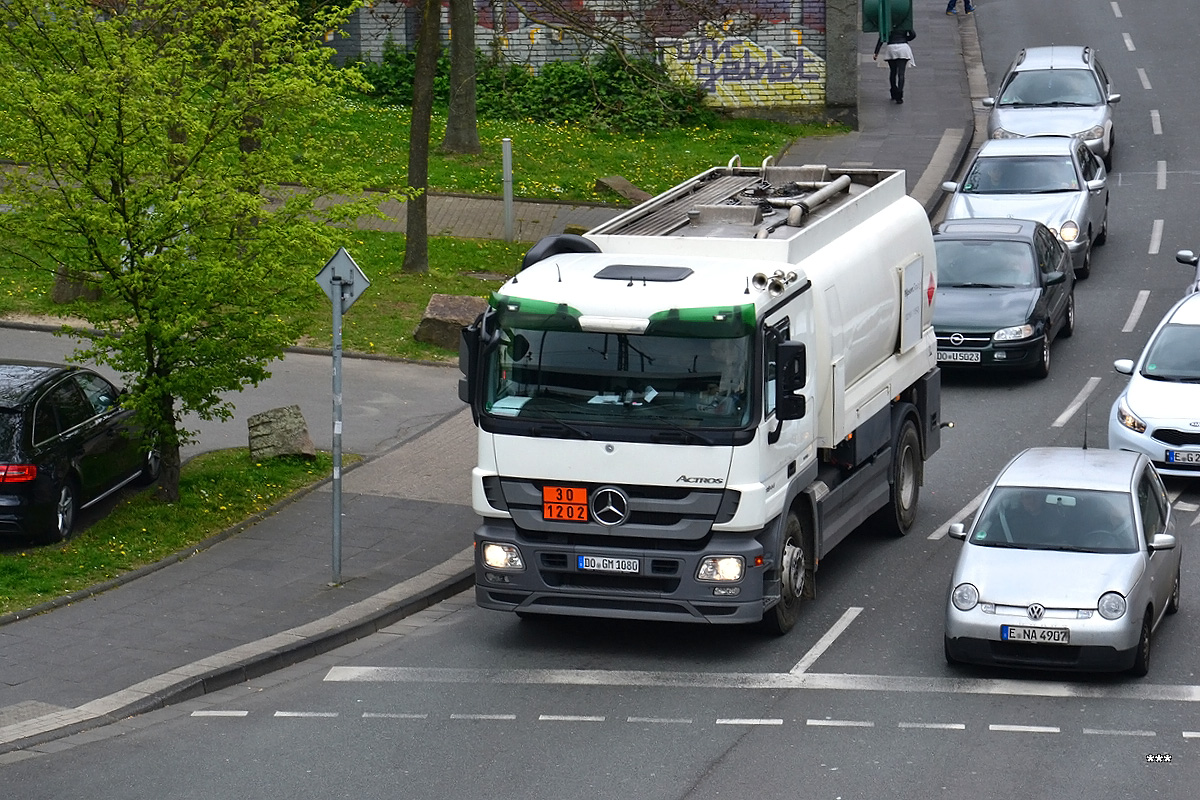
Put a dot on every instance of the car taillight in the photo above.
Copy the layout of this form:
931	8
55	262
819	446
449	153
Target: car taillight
17	473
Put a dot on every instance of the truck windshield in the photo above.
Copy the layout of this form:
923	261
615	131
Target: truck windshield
620	379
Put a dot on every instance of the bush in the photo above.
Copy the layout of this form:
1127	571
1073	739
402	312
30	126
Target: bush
610	93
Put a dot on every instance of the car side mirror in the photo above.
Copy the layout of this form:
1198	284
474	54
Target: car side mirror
1096	185
1124	366
1056	277
957	531
988	102
950	186
1162	541
1187	257
1114	98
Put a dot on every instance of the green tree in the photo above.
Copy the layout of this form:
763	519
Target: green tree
416	221
153	151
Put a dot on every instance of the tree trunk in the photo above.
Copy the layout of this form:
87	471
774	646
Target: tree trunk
416	249
462	133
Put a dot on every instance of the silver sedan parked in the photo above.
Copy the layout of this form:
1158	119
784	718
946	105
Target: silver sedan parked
1071	563
1055	180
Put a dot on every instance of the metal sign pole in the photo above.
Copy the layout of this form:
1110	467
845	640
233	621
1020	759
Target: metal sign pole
339	293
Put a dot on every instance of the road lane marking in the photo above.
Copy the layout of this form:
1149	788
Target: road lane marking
1070	411
1142	77
484	717
1116	9
962	514
1094	731
1156	237
1155	122
1128	42
213	713
840	723
1177	693
386	715
749	722
1024	728
1135	313
825	641
1161	179
568	718
307	714
1191	734
659	721
935	726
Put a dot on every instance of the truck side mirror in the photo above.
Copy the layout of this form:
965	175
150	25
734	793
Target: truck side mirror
791	359
468	358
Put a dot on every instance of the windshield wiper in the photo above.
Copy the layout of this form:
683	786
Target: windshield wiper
688	432
975	285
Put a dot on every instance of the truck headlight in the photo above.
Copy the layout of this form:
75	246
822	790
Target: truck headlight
502	556
1126	417
1111	605
721	568
1013	334
1069	231
964	596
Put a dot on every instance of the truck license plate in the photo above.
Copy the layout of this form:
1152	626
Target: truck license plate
1016	633
958	355
564	503
609	564
1182	457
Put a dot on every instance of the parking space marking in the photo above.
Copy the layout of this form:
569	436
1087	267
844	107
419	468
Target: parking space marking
1025	728
825	641
1071	410
1139	305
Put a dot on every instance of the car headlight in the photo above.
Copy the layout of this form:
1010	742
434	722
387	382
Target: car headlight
1069	231
1111	605
1094	132
721	568
1126	417
502	556
965	597
1013	334
1000	133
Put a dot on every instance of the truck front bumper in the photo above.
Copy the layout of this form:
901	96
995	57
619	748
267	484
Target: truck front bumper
664	587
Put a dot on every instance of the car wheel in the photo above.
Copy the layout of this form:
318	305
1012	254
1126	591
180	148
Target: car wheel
900	512
1141	659
151	467
1102	238
1041	369
1068	328
793	576
1173	603
64	513
1081	272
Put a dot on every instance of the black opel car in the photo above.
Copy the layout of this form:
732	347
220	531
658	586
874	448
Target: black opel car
1005	291
65	443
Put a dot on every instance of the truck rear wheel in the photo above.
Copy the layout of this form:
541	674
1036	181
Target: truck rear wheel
793	575
900	512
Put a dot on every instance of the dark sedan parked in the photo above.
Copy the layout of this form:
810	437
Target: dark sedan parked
1005	290
65	443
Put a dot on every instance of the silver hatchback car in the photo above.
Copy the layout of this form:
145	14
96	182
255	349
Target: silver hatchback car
1071	563
1061	89
1055	180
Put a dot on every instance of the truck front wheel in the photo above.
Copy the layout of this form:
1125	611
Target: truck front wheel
900	512
782	617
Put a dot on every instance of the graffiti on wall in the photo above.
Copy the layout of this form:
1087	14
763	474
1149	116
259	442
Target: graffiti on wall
741	73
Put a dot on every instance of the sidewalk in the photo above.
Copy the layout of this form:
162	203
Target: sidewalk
258	599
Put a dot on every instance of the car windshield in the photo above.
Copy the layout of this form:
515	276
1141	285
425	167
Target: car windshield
619	379
1021	175
984	264
1174	355
1038	518
1052	87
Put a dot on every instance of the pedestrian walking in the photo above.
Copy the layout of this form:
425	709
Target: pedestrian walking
898	55
952	7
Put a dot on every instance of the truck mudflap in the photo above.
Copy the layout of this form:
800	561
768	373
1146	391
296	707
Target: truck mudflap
623	582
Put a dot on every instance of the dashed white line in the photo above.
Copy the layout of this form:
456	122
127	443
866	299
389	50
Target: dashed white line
213	713
385	715
825	641
935	726
1095	732
1191	734
568	718
749	722
307	714
1156	236
659	721
1128	42
840	723
1079	400
1142	77
1160	182
1135	313
484	717
1116	9
1155	122
1025	728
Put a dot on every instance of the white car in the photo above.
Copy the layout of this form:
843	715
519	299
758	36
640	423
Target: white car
1158	413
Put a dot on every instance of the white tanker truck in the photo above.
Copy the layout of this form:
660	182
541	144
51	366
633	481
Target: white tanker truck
683	410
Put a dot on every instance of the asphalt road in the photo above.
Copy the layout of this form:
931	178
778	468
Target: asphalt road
857	701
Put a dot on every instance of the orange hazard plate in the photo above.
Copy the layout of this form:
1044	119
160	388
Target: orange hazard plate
565	503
